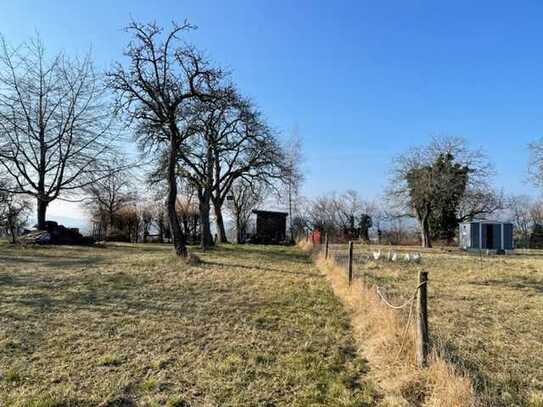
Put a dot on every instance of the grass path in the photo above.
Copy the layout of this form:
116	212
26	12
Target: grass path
131	325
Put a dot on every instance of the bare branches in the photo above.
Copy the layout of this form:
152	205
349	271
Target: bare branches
244	197
55	125
535	163
153	93
14	211
443	183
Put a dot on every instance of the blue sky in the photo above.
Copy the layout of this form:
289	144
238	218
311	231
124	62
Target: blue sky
362	81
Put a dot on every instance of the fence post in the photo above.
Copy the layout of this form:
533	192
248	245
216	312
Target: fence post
423	343
350	262
326	246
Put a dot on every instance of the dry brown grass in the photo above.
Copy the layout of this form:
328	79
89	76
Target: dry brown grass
389	345
486	315
132	325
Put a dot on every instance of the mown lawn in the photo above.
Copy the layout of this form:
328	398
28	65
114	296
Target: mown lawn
486	311
132	325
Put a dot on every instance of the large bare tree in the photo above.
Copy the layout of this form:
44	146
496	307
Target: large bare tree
54	123
228	141
162	75
245	148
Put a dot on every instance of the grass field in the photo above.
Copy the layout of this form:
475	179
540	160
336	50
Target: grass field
131	325
486	312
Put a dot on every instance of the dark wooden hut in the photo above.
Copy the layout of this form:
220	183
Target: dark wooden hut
271	227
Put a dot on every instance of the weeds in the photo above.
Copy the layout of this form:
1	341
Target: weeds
390	349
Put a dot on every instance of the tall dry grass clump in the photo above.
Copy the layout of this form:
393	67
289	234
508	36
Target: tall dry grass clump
305	245
387	340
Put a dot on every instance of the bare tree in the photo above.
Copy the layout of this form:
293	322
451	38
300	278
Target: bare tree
188	211
127	224
521	208
250	152
229	141
14	211
146	214
293	177
54	123
163	75
342	216
108	194
244	197
535	163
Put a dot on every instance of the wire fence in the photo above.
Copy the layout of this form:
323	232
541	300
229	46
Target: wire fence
350	260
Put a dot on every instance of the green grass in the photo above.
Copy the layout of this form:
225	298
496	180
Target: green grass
486	312
133	325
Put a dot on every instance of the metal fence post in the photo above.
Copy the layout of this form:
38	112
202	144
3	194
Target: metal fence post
350	262
423	342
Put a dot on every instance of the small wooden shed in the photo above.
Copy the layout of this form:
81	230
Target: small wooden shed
486	235
271	226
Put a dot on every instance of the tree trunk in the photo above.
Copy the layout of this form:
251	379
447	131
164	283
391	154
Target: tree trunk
179	239
160	229
13	233
291	232
220	221
216	197
426	239
239	231
206	240
42	209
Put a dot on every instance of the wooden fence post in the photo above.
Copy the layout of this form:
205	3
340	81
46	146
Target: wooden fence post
423	342
326	246
350	262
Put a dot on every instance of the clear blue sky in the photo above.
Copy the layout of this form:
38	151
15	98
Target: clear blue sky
361	80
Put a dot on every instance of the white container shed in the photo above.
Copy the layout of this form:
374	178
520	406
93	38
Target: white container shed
486	235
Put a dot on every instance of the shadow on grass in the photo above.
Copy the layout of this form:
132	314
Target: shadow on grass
520	282
271	253
53	261
486	387
123	293
257	268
